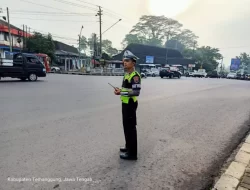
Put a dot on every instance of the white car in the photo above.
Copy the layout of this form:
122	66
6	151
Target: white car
200	73
154	72
231	75
55	69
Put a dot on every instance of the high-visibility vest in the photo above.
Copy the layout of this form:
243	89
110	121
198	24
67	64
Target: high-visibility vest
124	98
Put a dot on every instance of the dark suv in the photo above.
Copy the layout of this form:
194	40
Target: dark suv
166	72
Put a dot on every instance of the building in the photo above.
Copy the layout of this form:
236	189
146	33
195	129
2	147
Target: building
157	56
5	41
67	57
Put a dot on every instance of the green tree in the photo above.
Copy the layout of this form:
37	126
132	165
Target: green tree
244	60
207	57
156	30
106	45
187	38
83	45
41	44
133	38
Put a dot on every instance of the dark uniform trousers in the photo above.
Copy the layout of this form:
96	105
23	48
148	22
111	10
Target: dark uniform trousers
129	126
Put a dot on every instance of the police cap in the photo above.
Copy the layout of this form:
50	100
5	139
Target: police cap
129	55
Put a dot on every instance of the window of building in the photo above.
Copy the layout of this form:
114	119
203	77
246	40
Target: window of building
6	37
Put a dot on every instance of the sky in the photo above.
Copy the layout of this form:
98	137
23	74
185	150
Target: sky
218	23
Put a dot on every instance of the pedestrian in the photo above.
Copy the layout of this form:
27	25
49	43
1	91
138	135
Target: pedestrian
131	87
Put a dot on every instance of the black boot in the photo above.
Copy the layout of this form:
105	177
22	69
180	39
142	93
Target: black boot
127	156
123	149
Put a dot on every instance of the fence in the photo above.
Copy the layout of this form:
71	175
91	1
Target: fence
108	71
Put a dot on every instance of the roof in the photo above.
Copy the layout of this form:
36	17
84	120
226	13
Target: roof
2	22
67	49
4	27
160	55
142	51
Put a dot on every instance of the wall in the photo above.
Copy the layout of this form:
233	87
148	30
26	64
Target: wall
4	40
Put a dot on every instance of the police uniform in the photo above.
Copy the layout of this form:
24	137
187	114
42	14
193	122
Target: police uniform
131	86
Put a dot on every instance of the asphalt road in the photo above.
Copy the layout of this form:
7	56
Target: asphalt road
67	126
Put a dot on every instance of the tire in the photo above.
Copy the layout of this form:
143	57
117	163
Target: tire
23	79
153	75
171	76
53	70
162	77
32	77
179	76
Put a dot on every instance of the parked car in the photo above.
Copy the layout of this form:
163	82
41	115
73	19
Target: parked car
155	72
247	76
231	75
223	75
200	73
189	74
167	72
213	74
241	76
23	66
55	69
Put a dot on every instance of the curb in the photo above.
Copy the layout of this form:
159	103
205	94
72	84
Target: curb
237	175
92	74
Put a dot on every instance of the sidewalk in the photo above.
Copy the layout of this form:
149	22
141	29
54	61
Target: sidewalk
237	176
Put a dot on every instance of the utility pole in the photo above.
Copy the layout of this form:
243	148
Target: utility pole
10	39
26	35
100	22
79	49
95	48
23	38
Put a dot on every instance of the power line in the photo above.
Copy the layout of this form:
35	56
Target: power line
50	13
53	35
87	3
27	11
79	5
43	5
75	4
112	13
54	20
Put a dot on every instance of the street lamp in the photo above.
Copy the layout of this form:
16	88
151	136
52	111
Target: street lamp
112	26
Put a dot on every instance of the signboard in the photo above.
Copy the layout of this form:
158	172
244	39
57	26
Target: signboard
191	65
235	64
149	59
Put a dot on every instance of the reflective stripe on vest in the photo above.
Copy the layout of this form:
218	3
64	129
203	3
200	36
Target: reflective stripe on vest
125	99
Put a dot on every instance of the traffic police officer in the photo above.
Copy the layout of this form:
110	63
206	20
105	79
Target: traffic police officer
131	87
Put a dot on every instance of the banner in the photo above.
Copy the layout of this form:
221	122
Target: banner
149	59
235	64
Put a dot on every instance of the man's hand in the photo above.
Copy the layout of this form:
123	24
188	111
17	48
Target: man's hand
117	91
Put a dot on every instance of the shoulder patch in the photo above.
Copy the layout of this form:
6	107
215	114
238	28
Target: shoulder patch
136	79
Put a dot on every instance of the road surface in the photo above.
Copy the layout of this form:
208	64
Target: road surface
67	126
